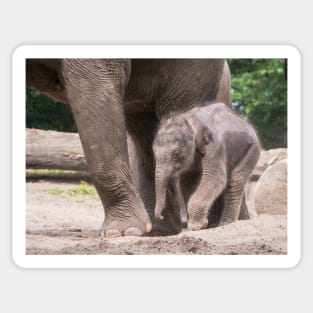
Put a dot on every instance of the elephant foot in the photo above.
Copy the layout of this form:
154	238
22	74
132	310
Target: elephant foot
164	230
132	227
111	233
226	221
198	225
166	227
130	231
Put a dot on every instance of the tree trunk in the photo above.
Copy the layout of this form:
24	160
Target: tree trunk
46	149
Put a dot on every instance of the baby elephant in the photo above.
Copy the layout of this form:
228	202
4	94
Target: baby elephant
225	147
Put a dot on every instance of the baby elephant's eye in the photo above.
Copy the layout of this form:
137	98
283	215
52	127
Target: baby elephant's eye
176	154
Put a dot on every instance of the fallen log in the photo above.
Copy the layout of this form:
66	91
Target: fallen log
46	149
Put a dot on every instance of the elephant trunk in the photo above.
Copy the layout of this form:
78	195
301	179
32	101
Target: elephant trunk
161	181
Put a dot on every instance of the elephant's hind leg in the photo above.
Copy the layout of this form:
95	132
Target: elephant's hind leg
142	127
234	192
233	198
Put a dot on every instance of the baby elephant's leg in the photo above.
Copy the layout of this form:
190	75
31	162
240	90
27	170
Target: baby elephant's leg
233	198
234	192
212	184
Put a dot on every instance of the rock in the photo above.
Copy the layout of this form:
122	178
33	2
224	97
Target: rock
267	158
249	195
270	195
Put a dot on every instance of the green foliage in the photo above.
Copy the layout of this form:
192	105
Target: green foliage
45	113
84	189
259	92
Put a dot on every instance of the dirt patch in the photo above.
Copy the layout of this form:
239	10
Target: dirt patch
67	224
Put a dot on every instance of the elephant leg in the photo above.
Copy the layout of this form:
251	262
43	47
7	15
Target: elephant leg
223	93
142	127
244	211
212	184
95	91
215	211
201	202
172	222
235	199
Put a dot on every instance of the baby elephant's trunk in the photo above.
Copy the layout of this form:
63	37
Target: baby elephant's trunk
160	192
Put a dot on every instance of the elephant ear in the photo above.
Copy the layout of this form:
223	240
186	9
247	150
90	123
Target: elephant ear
203	138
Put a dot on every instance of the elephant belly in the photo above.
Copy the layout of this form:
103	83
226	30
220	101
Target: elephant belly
136	104
165	85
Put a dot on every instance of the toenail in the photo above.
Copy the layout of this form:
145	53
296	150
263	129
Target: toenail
113	233
148	227
133	231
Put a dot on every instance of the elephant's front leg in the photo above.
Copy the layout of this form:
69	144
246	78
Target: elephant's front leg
95	91
212	184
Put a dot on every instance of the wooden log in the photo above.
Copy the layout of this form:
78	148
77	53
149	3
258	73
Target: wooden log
46	149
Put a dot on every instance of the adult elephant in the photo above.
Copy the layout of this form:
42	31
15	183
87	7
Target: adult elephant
110	96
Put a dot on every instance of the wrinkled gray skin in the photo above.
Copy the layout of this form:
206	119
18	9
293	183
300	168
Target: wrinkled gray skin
218	143
110	96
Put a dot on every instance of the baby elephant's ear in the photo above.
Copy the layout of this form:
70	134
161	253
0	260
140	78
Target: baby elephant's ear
203	138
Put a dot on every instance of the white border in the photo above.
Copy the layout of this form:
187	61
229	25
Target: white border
156	261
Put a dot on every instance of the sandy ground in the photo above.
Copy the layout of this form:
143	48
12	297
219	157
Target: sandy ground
65	224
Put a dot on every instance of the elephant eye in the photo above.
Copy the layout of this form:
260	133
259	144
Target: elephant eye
176	154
